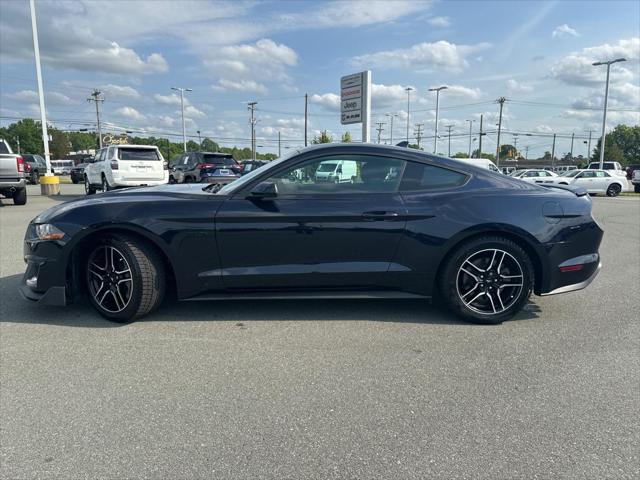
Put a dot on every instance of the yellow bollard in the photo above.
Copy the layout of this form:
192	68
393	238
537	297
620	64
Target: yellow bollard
49	185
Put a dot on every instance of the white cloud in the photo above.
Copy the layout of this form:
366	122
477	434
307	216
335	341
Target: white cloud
460	91
518	87
439	22
564	30
192	112
119	92
577	68
264	59
330	101
383	96
240	86
171	99
130	113
58	98
24	96
442	54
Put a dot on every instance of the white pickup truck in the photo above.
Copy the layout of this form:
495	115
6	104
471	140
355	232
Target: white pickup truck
614	168
13	179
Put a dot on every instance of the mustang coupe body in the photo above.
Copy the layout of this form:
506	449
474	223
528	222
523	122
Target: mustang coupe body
405	224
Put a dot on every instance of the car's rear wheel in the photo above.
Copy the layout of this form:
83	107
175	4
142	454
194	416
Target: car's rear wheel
613	190
636	188
105	184
487	280
125	278
88	188
20	196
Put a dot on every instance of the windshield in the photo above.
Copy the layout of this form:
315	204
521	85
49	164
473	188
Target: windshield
518	173
326	167
138	154
240	182
572	173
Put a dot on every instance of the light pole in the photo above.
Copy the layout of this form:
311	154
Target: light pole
408	89
184	130
437	90
470	124
449	127
199	139
606	98
391	115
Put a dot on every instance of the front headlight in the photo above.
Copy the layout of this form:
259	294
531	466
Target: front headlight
47	231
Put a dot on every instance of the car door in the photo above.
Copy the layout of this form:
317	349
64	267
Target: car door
601	181
313	233
586	179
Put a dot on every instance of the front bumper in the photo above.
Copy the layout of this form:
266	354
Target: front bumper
54	296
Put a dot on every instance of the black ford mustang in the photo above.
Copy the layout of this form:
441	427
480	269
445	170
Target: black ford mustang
389	222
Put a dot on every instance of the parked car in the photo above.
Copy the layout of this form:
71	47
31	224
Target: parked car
189	167
410	225
612	167
480	162
594	181
636	180
535	175
77	171
336	171
630	169
13	176
35	166
125	166
251	165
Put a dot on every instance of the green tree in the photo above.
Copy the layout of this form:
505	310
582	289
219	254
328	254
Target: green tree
29	133
323	138
460	155
59	144
83	140
612	152
209	145
627	145
346	137
507	151
488	156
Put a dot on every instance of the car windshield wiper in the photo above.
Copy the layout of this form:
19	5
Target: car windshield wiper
212	187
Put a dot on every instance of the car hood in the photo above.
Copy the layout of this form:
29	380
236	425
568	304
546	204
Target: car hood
127	195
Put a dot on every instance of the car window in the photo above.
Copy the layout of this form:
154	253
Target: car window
218	159
350	174
586	175
138	154
175	161
601	174
493	168
419	176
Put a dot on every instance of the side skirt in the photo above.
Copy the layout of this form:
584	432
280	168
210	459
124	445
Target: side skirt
359	294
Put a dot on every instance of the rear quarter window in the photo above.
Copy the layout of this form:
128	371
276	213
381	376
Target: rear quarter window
419	176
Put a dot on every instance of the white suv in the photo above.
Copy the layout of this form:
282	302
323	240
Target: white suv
125	166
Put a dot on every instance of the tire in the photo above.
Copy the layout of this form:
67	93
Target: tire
636	188
188	179
20	197
88	188
135	278
105	184
33	179
614	190
502	291
74	180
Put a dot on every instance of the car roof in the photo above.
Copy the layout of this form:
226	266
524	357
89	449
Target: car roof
128	145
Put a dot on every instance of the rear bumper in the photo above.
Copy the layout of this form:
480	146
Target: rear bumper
576	286
14	183
137	183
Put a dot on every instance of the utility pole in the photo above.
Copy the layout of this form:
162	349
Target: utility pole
379	129
515	146
279	145
18	142
589	147
184	130
306	116
391	115
419	133
572	135
252	107
449	127
435	140
526	153
199	138
470	124
480	139
408	90
553	152
501	101
606	99
96	96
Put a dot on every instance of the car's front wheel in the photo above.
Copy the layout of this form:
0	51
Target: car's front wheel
487	280
125	278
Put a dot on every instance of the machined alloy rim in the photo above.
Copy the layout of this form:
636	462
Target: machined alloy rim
110	279
489	281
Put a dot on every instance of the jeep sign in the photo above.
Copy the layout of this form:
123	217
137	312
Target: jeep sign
355	105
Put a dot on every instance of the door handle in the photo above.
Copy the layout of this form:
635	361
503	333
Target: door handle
380	215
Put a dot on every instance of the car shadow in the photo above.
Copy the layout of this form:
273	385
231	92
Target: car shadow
15	309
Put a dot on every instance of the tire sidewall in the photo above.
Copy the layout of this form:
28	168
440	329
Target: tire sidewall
448	283
129	312
613	190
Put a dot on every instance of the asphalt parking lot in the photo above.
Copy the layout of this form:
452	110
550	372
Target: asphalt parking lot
313	389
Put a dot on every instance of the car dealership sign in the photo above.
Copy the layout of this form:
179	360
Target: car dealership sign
355	101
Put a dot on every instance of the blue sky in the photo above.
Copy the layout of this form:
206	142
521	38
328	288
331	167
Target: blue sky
536	54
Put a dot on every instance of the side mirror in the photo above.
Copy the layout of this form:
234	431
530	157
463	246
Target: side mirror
264	190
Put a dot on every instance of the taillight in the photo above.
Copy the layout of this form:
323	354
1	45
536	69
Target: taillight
114	165
20	164
27	167
200	166
165	164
